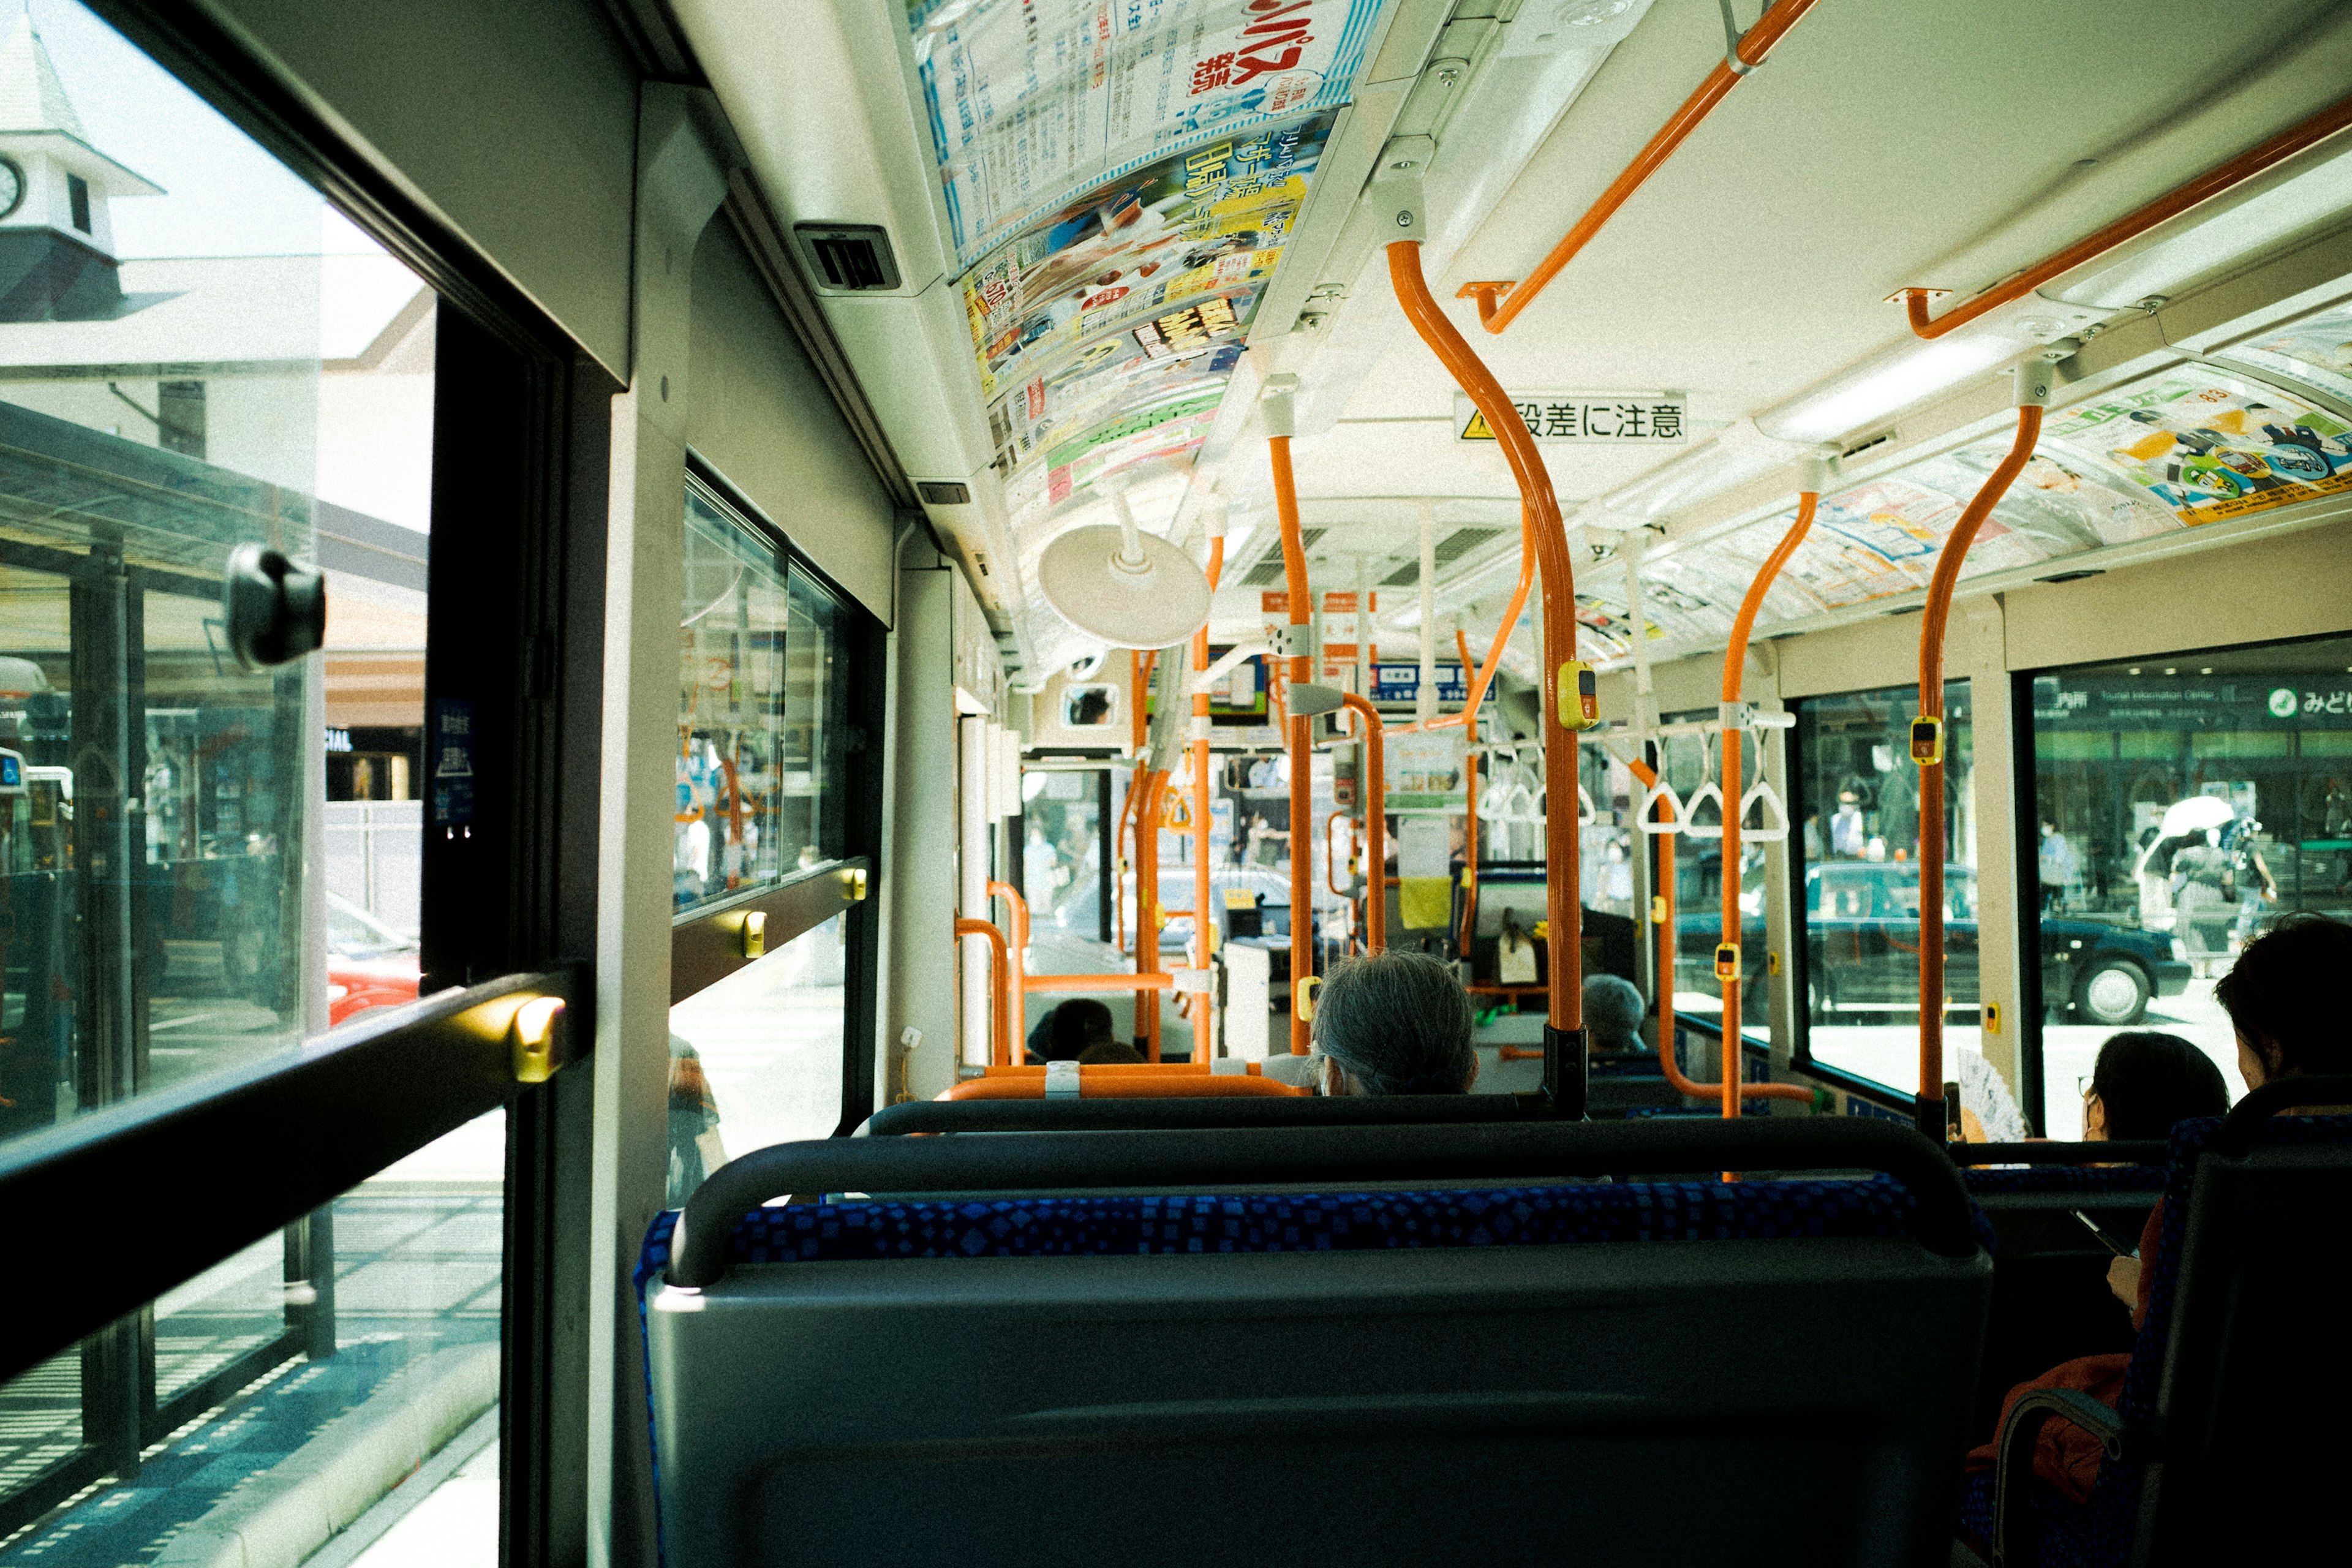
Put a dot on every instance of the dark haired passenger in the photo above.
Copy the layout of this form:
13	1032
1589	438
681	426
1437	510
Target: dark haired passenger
2145	1083
2280	997
1394	1023
1069	1030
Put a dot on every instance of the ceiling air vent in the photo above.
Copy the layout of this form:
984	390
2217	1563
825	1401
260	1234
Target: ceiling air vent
847	259
943	492
1404	576
1461	542
1868	443
1309	537
1265	574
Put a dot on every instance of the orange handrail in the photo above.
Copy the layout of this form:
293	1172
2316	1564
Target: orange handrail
2307	134
1057	982
1948	560
1734	668
1477	692
1663	913
1563	907
1017	996
1754	44
1470	822
1376	824
1296	731
1149	1069
999	1044
1096	1084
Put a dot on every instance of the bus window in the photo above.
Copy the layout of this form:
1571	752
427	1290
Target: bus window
2183	801
1856	806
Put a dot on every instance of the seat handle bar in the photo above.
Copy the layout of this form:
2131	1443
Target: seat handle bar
1222	1157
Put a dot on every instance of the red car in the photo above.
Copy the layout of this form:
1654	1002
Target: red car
369	963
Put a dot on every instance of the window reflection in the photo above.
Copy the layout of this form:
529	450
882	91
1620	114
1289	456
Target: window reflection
2182	803
1859	838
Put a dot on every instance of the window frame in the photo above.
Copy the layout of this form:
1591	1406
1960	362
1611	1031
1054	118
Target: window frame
1798	958
520	618
707	941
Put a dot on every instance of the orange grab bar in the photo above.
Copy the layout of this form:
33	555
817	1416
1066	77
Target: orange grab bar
1017	996
1376	825
1148	1069
1094	1084
2204	187
1059	982
1332	861
1563	908
1734	666
1666	985
1302	769
1754	44
1948	562
1000	1041
1502	639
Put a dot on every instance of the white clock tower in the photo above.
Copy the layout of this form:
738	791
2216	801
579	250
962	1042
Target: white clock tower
56	241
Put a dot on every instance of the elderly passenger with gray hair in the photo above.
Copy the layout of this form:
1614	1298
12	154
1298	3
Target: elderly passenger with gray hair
1394	1023
1612	1015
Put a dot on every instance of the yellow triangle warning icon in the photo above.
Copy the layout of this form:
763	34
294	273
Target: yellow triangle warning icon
1477	430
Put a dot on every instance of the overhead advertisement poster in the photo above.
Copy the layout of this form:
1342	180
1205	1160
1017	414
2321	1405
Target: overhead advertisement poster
1033	103
1144	287
2211	447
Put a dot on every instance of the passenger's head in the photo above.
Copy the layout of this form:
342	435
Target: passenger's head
2145	1082
1104	1051
1612	1013
2283	997
1077	1024
1394	1023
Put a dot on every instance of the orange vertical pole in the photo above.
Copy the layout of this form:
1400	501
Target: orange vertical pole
1017	994
1548	534
1376	827
1302	766
2032	390
1734	663
1000	1049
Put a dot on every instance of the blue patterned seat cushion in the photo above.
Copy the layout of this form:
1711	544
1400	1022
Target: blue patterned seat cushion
2090	1180
1131	1226
2099	1533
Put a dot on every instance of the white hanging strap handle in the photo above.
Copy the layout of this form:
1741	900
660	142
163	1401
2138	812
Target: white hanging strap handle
1586	815
1699	796
1664	827
1774	828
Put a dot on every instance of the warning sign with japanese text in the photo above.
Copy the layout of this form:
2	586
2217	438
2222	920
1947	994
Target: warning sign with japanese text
1586	418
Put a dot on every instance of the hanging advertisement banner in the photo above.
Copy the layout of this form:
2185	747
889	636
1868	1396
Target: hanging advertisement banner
1035	102
2212	447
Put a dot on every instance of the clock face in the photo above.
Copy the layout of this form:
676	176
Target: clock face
12	186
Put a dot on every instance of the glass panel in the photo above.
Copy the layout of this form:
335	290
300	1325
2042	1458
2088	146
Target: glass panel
816	725
234	1393
1687	763
213	357
2317	350
732	769
1061	855
2181	805
1859	844
758	1057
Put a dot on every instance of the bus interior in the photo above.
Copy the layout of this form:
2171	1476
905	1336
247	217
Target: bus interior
1787	563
